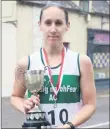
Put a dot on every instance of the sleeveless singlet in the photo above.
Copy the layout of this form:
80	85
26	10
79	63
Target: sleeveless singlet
69	96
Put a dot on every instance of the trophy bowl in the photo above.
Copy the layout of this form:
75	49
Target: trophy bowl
35	118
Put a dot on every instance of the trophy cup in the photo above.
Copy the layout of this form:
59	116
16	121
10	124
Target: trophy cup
34	80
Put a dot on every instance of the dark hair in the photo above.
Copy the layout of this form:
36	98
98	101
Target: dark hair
50	4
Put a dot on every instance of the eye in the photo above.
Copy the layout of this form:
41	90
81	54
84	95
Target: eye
48	22
58	23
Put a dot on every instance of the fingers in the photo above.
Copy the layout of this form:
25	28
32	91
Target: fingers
30	103
35	99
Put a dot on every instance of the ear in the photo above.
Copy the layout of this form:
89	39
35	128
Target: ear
68	26
39	24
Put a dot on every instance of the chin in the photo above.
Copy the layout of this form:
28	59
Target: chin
52	42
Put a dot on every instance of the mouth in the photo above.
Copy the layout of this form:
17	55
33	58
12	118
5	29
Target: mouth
53	37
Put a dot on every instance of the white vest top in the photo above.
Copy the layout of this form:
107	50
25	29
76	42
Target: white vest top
69	97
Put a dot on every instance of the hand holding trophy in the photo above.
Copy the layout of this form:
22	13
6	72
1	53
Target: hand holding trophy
34	80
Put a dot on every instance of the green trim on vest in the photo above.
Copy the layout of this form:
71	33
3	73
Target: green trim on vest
78	65
69	91
28	69
43	60
28	62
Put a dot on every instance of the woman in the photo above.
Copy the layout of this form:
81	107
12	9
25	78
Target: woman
72	74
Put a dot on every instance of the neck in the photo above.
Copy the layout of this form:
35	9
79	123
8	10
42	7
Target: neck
53	51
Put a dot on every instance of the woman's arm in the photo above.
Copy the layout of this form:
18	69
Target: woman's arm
18	93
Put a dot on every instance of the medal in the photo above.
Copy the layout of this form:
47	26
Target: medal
60	77
55	104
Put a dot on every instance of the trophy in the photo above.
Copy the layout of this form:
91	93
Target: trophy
34	80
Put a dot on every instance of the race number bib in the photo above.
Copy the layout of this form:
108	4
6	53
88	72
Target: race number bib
59	115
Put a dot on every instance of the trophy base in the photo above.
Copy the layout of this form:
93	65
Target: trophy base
36	120
32	125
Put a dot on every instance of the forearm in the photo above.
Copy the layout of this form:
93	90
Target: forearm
83	115
18	103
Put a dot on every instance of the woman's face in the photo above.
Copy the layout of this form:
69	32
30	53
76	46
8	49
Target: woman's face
53	25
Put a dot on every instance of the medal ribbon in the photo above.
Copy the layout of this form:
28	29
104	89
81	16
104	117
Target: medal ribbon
60	77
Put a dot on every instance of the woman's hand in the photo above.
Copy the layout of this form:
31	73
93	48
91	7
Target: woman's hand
30	103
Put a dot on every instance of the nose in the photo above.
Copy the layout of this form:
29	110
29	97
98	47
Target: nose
53	28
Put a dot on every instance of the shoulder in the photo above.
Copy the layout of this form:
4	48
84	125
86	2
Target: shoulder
22	63
70	52
84	59
85	63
